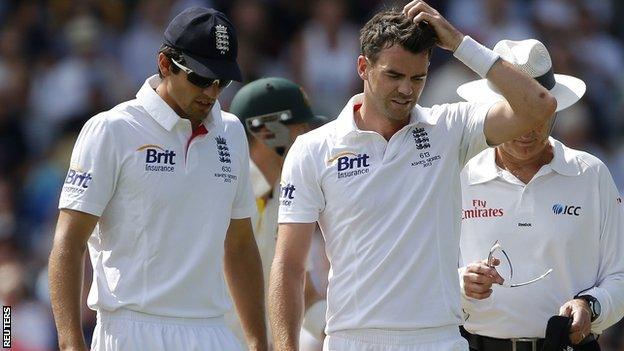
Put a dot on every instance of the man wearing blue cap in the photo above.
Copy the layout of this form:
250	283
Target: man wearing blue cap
140	194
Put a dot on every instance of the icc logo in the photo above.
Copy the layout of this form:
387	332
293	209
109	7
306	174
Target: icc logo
569	210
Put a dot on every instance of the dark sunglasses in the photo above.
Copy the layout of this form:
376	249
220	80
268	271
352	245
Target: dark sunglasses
202	82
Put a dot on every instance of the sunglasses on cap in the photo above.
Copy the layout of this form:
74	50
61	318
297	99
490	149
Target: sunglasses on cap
202	82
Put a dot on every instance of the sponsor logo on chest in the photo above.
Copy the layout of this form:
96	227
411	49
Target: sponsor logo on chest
350	164
481	210
158	159
223	155
570	210
423	143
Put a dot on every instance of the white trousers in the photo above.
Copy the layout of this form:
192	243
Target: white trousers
125	330
427	339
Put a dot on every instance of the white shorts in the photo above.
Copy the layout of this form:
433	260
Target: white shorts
125	330
428	339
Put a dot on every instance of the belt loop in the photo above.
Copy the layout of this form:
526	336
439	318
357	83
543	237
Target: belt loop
513	345
534	344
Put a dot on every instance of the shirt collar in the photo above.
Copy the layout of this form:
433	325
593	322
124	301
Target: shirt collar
345	123
564	162
485	168
164	114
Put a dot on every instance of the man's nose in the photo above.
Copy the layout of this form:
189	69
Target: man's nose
405	87
212	91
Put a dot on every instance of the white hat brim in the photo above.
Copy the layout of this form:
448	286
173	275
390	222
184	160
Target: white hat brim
567	91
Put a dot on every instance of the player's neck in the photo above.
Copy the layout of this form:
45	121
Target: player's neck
268	162
524	168
368	118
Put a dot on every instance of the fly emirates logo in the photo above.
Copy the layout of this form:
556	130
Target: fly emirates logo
480	210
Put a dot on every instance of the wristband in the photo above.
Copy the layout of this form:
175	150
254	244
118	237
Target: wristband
476	56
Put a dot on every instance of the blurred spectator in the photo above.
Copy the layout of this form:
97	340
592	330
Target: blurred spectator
62	61
141	42
32	328
68	89
491	20
324	57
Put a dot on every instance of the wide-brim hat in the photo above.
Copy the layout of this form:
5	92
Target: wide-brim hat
531	57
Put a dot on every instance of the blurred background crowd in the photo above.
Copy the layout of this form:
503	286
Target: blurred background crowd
62	61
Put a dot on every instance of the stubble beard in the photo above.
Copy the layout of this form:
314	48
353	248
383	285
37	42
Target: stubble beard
394	115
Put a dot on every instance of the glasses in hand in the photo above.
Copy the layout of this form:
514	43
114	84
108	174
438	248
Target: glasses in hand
497	252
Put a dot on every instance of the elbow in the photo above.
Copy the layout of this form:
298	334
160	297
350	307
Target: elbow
548	107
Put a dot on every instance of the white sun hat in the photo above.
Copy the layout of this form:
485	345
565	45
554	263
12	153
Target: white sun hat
531	57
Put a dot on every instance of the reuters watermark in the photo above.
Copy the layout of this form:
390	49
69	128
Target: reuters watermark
6	327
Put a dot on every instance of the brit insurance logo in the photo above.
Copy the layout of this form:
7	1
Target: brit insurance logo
77	181
570	210
349	164
287	194
158	159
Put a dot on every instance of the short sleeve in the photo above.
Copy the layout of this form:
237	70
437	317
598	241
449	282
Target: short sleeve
609	289
472	117
93	171
301	196
244	204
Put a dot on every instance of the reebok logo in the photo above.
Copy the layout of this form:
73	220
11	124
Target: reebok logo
480	210
571	210
158	159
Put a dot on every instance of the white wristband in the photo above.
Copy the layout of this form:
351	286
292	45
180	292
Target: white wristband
476	56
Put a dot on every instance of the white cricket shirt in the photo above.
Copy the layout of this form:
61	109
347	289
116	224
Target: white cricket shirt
164	205
389	213
568	218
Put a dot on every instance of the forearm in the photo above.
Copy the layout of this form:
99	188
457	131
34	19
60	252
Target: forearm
286	303
243	271
65	271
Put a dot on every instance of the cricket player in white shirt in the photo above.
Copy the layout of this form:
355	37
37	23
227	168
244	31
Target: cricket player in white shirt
382	180
159	191
275	111
547	207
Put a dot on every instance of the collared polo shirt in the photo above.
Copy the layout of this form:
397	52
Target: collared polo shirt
568	218
389	213
164	205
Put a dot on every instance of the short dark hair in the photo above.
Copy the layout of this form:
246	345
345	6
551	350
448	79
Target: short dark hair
172	54
390	27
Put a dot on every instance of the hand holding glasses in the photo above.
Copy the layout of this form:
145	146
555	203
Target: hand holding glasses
497	250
